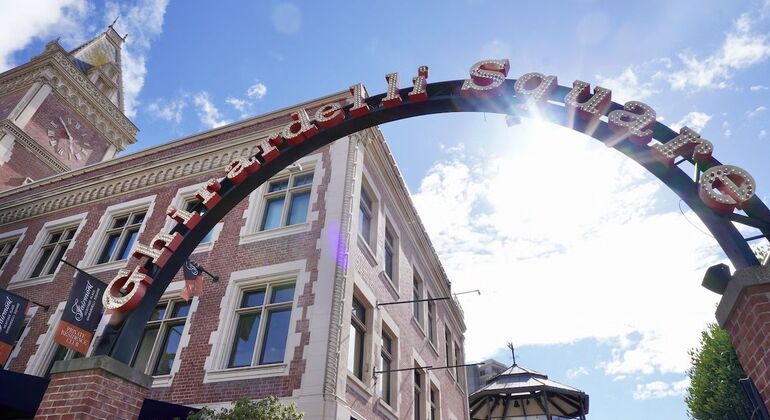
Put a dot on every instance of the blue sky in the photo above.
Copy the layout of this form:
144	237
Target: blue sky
600	284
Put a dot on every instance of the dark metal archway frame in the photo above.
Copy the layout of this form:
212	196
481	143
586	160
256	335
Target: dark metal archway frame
443	97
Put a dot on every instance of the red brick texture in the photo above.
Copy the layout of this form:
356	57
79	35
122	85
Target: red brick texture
749	330
90	394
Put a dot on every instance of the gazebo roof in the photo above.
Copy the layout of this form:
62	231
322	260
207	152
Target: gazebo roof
519	392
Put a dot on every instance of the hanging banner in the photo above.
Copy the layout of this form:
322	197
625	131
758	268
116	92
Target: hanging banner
82	314
193	280
12	311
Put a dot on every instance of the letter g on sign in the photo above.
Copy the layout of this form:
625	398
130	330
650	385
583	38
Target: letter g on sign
126	290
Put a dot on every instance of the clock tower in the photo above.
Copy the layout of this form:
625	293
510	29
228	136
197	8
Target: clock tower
63	111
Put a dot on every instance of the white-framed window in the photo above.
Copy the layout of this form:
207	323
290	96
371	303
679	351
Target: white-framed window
185	200
357	341
432	322
388	349
41	260
366	215
448	349
48	351
120	236
160	343
284	204
52	251
6	248
417	293
286	200
419	392
255	337
458	360
390	254
119	227
434	403
262	325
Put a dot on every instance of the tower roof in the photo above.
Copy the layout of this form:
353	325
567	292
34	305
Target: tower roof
99	59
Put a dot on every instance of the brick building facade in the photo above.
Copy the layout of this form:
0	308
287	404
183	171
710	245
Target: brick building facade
303	262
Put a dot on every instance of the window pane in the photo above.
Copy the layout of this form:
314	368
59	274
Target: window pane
359	311
145	348
59	354
365	199
60	250
70	233
137	219
298	208
245	340
283	294
2	260
388	261
168	350
54	238
109	247
274	345
158	313
41	262
180	309
387	344
356	351
305	179
128	244
278	185
255	298
364	223
273	210
120	222
385	385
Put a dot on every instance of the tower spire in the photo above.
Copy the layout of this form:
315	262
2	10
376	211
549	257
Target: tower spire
513	352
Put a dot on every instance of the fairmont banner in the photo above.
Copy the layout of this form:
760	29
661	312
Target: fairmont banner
12	310
82	314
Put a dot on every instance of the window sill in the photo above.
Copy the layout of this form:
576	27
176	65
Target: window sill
366	250
101	268
204	247
162	381
30	282
274	233
356	386
419	327
386	410
390	285
248	372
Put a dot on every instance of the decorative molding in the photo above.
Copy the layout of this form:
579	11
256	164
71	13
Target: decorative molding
161	172
26	141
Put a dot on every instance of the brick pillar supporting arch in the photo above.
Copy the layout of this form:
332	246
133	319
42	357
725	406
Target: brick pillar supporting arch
94	388
744	312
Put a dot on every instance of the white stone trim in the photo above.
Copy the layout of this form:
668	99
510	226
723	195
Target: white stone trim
96	241
250	232
29	316
182	195
19	233
38	362
215	366
33	252
387	322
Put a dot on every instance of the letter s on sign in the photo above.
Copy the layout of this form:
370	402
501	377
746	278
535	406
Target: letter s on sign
134	283
486	77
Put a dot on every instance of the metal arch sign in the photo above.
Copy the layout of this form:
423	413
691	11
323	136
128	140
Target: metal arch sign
713	195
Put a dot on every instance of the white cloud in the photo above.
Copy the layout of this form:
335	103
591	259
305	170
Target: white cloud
143	22
240	105
741	48
26	21
208	113
574	373
726	129
286	18
658	389
580	234
169	110
757	88
695	120
762	133
626	86
758	110
257	91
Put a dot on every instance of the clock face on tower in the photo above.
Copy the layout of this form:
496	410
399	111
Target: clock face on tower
68	139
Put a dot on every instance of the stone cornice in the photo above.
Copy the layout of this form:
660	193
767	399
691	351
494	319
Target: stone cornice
24	140
54	68
741	280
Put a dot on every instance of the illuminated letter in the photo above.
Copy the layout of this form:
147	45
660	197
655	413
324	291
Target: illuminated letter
486	77
267	146
187	218
358	100
726	187
535	88
688	142
329	115
392	98
240	168
208	193
300	129
418	93
636	120
588	107
162	246
126	290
